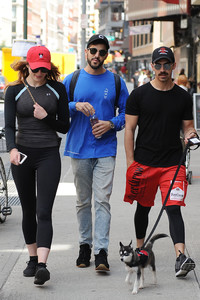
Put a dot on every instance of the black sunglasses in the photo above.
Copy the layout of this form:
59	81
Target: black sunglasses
43	70
101	52
166	66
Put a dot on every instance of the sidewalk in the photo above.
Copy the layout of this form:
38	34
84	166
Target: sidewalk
69	282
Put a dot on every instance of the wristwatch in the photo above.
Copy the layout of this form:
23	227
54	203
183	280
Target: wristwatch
112	126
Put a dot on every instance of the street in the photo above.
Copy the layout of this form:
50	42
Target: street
69	282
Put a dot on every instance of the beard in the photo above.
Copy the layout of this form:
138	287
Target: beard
96	66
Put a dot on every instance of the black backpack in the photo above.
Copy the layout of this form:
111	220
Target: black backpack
74	81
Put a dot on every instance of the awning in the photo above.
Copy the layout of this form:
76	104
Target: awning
171	1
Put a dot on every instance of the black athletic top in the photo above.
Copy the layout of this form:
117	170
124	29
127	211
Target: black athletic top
160	118
33	132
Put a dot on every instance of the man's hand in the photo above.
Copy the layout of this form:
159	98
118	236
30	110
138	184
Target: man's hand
86	108
129	163
100	128
190	135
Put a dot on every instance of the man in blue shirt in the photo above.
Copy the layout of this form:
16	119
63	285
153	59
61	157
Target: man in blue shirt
93	148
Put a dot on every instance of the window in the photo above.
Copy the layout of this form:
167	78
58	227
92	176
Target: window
13	27
14	12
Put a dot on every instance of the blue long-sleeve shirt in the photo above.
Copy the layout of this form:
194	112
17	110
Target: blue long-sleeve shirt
100	92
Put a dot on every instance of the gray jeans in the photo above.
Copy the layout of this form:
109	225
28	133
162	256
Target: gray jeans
94	176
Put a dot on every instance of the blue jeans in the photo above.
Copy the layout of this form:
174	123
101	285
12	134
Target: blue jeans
94	175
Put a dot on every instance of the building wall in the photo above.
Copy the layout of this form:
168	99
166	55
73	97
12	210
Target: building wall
5	22
34	19
17	19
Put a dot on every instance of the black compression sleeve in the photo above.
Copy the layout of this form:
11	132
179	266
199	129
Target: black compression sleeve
176	224
141	220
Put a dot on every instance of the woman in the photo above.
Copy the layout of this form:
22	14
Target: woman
39	103
182	81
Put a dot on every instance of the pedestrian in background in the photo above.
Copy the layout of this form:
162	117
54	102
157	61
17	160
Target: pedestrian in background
182	81
148	77
123	70
134	79
192	86
93	149
159	108
39	103
142	77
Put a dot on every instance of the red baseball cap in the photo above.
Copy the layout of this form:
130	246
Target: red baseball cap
38	57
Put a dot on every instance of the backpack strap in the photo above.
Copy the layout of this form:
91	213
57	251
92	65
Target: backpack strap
73	84
117	88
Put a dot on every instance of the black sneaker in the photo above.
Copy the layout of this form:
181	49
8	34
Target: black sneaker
31	268
183	265
101	262
42	274
83	260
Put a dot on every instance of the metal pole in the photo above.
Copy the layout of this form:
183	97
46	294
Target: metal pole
83	37
25	19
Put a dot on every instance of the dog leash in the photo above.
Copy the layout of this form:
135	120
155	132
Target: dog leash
190	143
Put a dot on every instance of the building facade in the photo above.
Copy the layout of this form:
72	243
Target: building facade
174	23
111	21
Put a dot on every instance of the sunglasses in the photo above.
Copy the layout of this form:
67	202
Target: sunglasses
43	70
166	66
101	52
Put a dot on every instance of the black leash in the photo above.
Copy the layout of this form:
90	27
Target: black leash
190	143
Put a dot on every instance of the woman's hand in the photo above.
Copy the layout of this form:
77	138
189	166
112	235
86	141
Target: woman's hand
39	112
14	157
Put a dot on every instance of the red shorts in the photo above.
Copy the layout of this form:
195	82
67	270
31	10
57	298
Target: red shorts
142	183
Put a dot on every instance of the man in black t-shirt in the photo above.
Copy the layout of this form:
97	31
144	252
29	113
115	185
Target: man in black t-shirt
159	108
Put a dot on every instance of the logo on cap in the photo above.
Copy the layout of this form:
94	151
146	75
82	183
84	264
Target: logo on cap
101	36
40	55
163	51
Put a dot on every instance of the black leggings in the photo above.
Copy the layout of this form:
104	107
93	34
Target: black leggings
40	172
176	224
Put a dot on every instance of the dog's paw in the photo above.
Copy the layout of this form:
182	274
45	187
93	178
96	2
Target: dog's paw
134	292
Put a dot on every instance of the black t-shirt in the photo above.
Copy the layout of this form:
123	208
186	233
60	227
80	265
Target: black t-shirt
33	132
160	118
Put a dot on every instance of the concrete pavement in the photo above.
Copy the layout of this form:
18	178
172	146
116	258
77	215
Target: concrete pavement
69	282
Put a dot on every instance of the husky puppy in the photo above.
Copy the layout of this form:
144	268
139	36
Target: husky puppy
140	258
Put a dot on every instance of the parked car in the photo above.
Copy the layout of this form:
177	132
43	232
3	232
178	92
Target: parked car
3	83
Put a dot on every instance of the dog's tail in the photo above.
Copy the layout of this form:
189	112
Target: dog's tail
154	238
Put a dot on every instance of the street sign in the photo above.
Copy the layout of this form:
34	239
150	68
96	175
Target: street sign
21	47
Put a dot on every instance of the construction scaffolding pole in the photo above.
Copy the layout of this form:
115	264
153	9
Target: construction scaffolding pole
25	19
83	34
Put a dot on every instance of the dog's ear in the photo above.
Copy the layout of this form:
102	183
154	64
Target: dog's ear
120	244
130	243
